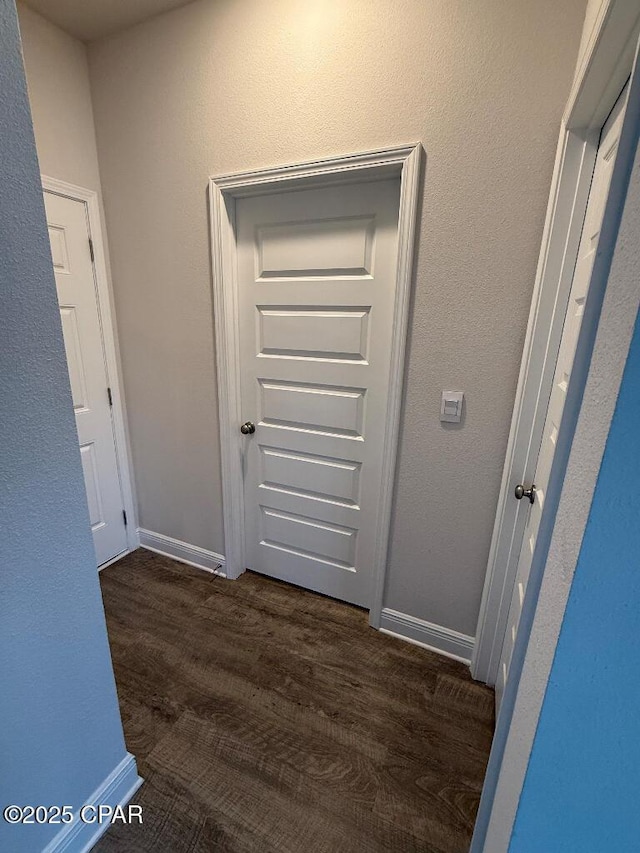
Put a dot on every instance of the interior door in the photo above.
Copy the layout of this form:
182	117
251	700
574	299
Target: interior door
79	311
316	276
535	493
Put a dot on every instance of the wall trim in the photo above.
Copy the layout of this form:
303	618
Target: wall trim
436	638
403	162
116	790
183	552
110	344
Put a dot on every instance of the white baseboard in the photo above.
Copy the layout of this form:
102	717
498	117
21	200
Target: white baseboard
116	790
192	555
444	641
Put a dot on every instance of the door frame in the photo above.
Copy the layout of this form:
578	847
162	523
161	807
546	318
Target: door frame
605	351
607	63
403	162
109	348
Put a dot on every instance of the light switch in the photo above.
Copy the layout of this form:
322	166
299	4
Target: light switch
451	406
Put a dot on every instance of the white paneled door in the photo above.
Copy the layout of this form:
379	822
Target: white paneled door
580	286
316	283
79	311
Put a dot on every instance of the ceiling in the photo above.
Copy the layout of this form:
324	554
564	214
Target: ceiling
93	19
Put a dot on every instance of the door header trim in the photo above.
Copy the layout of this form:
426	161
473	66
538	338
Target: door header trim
383	162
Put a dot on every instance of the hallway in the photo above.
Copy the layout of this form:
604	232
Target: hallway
268	718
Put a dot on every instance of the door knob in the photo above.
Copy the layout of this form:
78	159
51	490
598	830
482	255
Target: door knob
521	492
248	428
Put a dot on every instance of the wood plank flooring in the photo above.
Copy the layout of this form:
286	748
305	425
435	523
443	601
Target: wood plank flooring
269	719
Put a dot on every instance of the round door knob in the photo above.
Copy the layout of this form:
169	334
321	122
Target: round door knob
248	428
520	492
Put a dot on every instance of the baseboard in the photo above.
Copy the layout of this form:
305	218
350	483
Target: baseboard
444	641
116	790
192	555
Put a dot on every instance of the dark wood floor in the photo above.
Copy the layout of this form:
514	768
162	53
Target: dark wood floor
266	718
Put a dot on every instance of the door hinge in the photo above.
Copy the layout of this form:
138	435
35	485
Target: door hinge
124	516
110	396
91	250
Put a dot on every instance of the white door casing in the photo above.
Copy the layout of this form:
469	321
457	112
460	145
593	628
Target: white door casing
588	247
610	59
291	314
606	66
316	276
93	390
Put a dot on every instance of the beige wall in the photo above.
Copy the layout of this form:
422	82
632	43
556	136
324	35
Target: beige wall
60	97
230	85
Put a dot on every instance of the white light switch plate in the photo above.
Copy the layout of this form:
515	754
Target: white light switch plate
451	406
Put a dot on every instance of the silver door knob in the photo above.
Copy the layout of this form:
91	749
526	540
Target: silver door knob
520	492
248	428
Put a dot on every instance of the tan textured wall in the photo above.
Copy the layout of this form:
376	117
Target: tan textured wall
230	85
60	98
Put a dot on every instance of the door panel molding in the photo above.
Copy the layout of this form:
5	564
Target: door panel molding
109	342
403	162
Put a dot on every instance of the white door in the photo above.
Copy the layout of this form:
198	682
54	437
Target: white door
316	278
573	321
81	328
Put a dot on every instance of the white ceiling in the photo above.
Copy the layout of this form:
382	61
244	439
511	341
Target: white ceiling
93	19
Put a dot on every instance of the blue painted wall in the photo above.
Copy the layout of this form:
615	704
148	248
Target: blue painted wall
582	788
60	730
